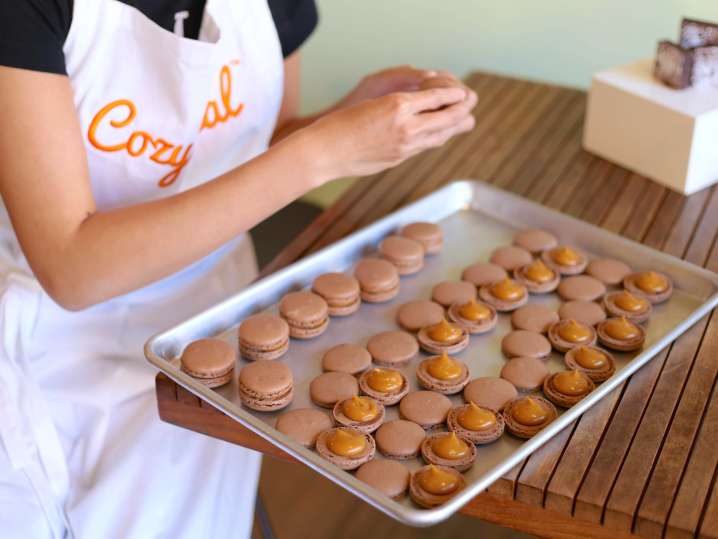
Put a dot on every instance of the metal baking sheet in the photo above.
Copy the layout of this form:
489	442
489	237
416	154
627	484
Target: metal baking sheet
475	219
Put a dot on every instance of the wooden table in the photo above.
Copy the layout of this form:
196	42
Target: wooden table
641	462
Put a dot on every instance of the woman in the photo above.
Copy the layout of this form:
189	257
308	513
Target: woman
134	155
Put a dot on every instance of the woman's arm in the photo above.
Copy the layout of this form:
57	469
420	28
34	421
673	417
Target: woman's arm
82	256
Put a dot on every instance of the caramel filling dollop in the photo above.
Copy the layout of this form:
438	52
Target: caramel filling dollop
651	282
575	332
443	367
507	290
474	311
346	444
444	332
529	412
590	358
539	272
572	383
621	329
565	256
384	380
630	303
360	408
450	447
437	481
473	417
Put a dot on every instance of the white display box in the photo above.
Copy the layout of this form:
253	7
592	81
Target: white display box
668	135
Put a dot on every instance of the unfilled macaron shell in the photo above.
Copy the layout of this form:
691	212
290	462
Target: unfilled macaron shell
427	408
483	273
387	476
534	317
608	270
535	240
587	312
347	357
392	348
510	257
331	387
414	315
447	293
489	392
526	373
399	439
581	287
522	343
304	425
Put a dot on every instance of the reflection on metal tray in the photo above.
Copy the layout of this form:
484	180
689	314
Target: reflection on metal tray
475	219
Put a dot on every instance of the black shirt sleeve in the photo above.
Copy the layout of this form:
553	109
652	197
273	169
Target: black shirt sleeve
33	32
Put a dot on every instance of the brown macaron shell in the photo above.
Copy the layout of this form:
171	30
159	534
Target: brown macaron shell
483	273
510	257
347	357
581	287
428	234
263	336
620	345
345	463
562	399
490	392
266	386
502	305
365	426
435	347
565	270
528	431
597	375
629	283
209	361
414	315
331	387
460	465
471	326
341	292
426	408
446	387
406	254
428	500
303	425
447	293
535	240
378	280
609	271
613	309
525	373
389	477
387	399
399	439
478	437
586	312
392	348
535	287
561	344
522	343
534	317
306	313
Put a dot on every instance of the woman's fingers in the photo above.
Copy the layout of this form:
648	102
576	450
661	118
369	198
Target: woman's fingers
434	98
439	120
439	138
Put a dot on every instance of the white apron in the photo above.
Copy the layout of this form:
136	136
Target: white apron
83	450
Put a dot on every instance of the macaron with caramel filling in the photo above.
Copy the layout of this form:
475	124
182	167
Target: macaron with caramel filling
431	486
535	240
525	373
581	287
504	296
362	413
566	260
348	357
399	439
387	476
443	337
392	348
483	273
446	293
476	424
443	374
428	234
406	254
655	286
476	317
537	277
388	386
534	317
266	386
331	387
609	271
378	280
635	307
566	388
304	425
587	312
209	361
414	315
621	334
263	336
510	257
306	313
426	408
598	364
489	392
346	447
341	292
522	343
526	416
567	334
449	449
